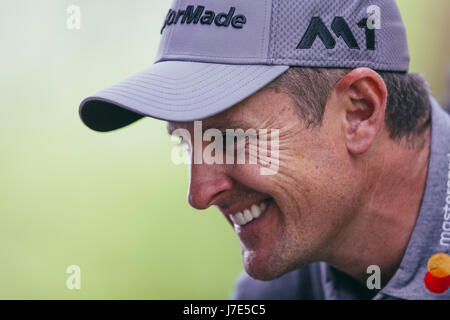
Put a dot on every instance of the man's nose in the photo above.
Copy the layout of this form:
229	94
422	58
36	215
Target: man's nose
207	183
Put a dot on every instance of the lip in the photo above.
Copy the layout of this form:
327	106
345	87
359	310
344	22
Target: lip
238	207
247	233
241	206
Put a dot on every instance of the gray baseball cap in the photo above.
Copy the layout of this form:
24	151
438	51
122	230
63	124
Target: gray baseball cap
215	53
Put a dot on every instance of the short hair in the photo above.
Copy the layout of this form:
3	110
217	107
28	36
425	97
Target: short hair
408	103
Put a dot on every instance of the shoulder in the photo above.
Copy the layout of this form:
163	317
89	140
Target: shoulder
300	284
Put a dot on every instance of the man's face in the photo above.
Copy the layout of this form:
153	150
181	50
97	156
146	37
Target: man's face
308	201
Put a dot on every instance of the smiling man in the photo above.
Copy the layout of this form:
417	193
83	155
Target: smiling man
363	159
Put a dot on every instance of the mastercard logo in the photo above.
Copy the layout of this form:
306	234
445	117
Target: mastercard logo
437	279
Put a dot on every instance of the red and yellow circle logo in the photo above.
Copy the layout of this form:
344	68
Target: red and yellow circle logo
437	279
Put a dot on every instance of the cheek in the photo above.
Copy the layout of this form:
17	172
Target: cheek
311	177
250	176
321	197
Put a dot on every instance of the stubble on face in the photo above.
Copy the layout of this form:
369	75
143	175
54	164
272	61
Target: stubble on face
308	195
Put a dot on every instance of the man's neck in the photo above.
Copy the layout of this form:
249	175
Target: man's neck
380	232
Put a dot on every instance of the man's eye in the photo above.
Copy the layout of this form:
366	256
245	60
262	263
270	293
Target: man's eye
187	147
183	144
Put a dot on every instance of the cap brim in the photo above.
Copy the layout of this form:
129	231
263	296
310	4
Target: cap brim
179	91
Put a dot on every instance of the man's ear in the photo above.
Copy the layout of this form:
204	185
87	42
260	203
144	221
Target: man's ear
362	94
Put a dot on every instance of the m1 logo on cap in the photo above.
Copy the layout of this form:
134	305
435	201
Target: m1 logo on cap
341	29
198	14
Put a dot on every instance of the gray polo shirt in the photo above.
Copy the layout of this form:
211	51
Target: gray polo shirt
431	235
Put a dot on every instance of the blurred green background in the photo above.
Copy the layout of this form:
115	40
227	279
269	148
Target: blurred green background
114	204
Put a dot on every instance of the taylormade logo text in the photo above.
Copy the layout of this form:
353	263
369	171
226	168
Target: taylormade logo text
198	14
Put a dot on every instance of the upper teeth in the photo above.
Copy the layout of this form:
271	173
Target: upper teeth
249	214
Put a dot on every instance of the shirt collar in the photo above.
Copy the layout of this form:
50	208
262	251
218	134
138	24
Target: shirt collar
408	281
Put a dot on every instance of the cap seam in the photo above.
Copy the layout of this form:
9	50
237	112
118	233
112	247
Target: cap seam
342	61
275	28
188	110
187	78
269	46
264	31
170	100
189	54
124	85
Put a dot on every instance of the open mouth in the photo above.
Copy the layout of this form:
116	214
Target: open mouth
246	216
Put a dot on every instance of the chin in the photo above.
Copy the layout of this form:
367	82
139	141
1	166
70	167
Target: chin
263	267
268	265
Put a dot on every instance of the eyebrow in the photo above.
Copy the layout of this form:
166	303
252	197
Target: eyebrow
170	128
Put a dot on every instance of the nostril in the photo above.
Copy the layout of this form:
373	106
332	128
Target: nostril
213	200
